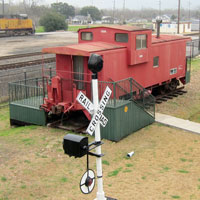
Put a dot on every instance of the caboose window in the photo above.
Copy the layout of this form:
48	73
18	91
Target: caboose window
141	41
156	61
87	36
121	37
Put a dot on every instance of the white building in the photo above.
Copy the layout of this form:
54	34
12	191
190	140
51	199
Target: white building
195	25
184	27
165	19
79	19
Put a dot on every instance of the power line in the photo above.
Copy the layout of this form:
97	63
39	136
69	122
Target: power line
3	11
189	14
124	12
179	11
159	8
113	11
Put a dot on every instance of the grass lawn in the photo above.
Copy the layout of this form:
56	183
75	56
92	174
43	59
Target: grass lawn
165	165
39	29
33	166
74	28
188	105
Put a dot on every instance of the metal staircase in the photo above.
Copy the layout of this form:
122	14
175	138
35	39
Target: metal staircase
138	94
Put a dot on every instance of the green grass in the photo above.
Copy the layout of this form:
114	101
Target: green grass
127	171
3	179
44	156
115	172
39	29
77	27
183	171
105	162
143	177
4	198
64	179
129	165
27	161
164	192
166	168
17	130
183	159
23	186
176	197
28	141
4	115
195	64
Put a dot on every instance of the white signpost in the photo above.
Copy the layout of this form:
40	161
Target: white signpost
96	109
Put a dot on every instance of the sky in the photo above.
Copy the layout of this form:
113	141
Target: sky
131	4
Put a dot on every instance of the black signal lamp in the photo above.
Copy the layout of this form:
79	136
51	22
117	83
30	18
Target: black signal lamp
75	145
95	63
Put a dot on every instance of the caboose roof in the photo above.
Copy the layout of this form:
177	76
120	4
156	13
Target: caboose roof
83	49
119	27
167	38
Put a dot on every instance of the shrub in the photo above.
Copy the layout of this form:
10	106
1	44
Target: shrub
53	22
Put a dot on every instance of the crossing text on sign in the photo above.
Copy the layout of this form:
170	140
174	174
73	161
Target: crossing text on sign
97	116
85	102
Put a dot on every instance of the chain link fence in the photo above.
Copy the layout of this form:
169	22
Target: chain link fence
193	48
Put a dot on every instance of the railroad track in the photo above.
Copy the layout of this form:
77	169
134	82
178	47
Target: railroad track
170	95
26	63
20	55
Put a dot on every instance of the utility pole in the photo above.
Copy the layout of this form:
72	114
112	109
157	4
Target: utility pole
113	11
124	12
3	12
179	11
189	14
159	9
199	32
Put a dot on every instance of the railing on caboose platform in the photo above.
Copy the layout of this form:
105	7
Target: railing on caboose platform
28	92
129	90
31	92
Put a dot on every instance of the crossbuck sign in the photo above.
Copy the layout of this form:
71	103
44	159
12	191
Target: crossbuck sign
98	115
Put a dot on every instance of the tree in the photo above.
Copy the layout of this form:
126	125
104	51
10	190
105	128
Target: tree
64	9
173	17
93	11
53	21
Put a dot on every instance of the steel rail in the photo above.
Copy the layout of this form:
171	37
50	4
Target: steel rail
27	63
20	55
170	95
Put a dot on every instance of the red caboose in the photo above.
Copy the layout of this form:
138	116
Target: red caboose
156	63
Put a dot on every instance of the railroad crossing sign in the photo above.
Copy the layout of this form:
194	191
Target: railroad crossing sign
98	115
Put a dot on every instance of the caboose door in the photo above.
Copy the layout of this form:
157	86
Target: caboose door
78	72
